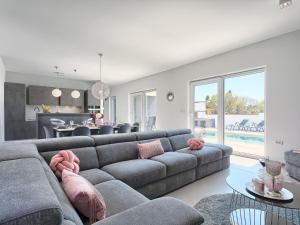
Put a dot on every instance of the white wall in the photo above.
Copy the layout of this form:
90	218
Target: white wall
280	55
30	79
2	79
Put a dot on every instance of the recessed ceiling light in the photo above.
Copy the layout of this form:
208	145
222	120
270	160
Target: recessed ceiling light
285	3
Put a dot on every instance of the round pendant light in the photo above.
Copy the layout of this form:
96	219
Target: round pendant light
75	94
56	92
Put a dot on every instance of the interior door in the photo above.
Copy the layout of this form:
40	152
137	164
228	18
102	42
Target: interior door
136	108
143	109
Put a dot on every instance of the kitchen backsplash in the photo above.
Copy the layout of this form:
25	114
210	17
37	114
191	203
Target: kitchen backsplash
31	110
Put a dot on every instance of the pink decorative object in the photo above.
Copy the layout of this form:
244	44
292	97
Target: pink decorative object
273	167
84	196
274	186
195	143
64	160
259	185
151	149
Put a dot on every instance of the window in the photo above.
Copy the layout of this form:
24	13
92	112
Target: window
142	106
231	110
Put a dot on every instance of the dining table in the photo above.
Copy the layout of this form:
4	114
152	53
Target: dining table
67	131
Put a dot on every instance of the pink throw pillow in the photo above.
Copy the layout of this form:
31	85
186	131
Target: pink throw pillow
64	159
195	143
151	149
84	196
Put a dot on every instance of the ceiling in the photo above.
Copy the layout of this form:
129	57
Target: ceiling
137	37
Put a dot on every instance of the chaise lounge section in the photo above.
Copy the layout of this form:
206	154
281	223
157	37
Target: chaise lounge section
110	162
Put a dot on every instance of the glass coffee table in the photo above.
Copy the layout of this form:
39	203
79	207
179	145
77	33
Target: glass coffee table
248	208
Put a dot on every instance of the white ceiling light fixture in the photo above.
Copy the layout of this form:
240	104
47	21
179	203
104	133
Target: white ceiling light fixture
285	3
56	92
75	93
99	89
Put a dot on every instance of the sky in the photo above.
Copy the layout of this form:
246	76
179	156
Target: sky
251	86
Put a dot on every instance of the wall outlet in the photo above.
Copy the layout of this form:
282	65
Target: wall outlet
279	142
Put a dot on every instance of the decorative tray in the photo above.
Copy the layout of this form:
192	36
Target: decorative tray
285	195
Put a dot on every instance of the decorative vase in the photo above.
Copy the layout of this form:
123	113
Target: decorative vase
273	183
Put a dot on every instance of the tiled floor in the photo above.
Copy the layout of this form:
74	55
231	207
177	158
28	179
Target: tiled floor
213	184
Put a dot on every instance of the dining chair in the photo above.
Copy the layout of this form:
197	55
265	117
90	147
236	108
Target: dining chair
135	127
125	128
81	131
47	132
106	129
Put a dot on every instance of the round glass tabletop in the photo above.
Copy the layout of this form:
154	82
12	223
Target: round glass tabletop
238	179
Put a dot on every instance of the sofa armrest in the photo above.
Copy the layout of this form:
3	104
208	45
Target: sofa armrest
26	195
161	211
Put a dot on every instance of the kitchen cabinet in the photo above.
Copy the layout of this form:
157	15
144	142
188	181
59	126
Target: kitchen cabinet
14	101
31	128
16	128
67	100
38	95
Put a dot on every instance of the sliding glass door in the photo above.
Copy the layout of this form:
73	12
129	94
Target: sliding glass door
206	110
244	110
143	109
230	110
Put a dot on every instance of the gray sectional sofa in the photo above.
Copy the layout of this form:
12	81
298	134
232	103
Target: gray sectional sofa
33	195
292	164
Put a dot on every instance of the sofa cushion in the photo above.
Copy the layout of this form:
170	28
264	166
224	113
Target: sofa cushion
96	176
292	158
164	142
26	194
150	135
84	196
150	149
64	160
176	162
205	155
119	196
226	150
161	211
180	141
113	138
294	171
87	156
69	213
174	132
138	172
112	153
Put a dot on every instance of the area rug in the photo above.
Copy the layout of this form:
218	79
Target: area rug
216	209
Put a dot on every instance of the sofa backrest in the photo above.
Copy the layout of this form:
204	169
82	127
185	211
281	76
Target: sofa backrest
83	147
178	138
112	153
121	147
113	138
100	150
23	181
144	137
164	142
